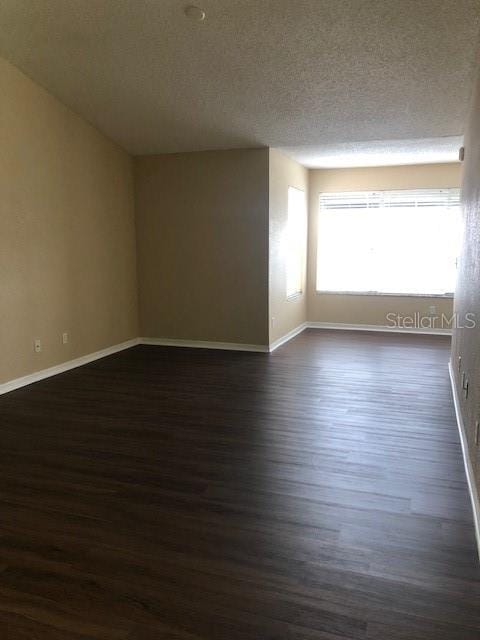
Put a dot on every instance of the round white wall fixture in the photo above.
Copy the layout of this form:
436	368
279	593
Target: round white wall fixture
195	13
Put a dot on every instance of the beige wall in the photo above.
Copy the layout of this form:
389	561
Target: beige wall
202	245
466	341
362	309
284	314
67	248
209	231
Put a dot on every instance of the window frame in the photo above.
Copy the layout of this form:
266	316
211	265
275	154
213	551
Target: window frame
291	297
318	291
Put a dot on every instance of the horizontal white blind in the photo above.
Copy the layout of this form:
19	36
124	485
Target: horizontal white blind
401	198
402	242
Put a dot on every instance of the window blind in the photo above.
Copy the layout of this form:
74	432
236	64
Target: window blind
403	242
383	199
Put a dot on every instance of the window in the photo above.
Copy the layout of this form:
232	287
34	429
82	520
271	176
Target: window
295	241
402	242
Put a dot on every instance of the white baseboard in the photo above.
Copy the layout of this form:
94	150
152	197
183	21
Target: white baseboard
288	336
376	327
227	346
11	385
201	344
472	486
352	327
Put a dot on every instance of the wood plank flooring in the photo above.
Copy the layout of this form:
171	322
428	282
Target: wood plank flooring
317	493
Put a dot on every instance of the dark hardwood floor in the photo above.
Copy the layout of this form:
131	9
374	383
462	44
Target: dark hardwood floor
317	493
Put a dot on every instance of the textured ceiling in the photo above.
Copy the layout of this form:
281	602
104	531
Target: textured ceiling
378	153
256	72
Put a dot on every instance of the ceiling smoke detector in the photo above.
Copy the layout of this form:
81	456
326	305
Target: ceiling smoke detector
194	13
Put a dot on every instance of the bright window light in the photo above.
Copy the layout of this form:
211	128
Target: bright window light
295	241
404	242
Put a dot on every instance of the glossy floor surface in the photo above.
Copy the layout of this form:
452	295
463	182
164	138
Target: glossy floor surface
317	493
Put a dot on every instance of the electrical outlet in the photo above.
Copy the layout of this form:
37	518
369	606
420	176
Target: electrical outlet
65	337
37	345
477	429
273	322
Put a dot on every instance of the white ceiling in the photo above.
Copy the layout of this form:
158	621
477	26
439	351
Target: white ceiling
378	153
281	73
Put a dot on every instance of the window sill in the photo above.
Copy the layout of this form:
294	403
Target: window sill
382	295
